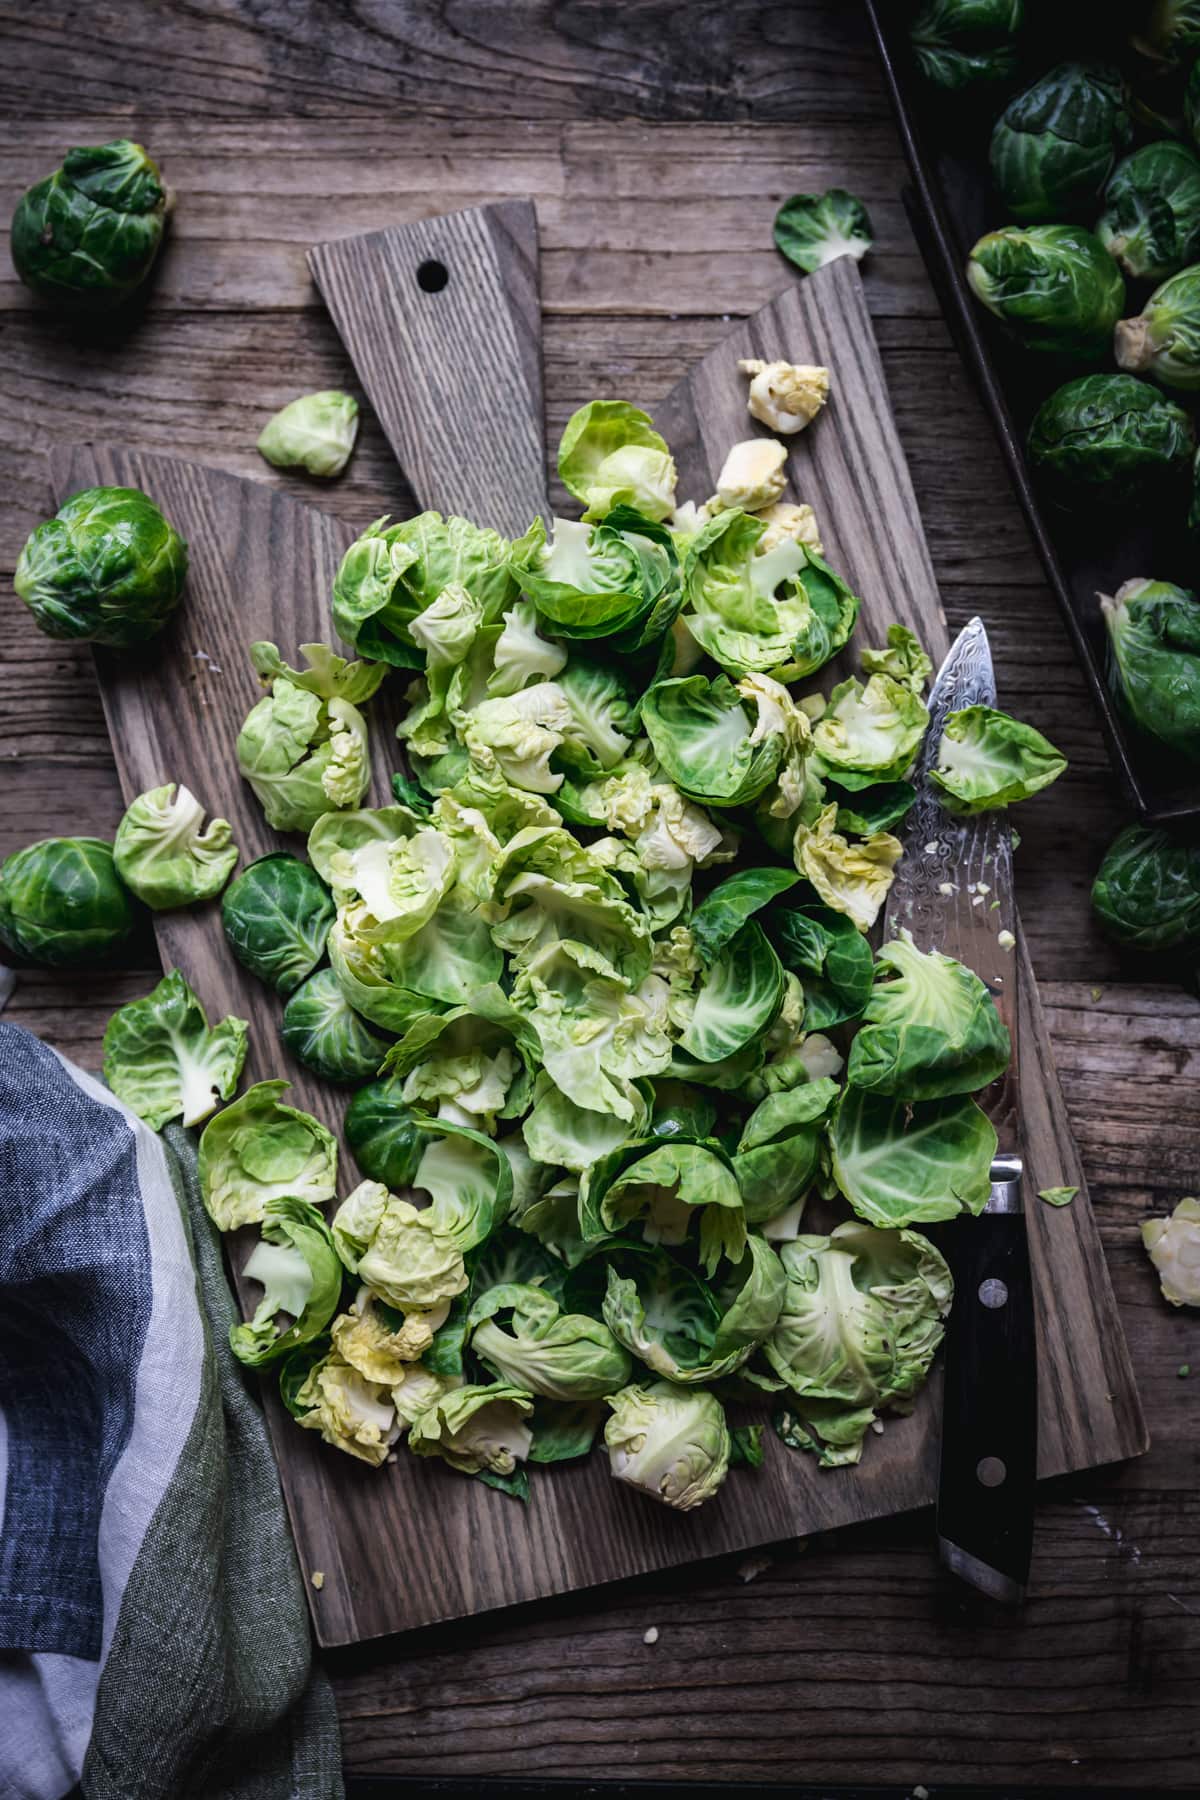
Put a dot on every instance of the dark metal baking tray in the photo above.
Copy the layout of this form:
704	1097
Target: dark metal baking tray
952	204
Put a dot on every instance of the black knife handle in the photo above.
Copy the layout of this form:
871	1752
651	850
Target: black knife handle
989	1422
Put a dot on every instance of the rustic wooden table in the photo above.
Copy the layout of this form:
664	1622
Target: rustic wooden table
657	141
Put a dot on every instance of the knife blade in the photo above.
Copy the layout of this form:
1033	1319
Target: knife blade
954	892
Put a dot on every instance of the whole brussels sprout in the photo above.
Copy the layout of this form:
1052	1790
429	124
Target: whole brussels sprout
1191	104
1151	217
1055	286
324	1033
963	43
1170	32
1154	660
89	233
277	916
1164	339
62	903
1147	891
106	569
1110	434
1054	144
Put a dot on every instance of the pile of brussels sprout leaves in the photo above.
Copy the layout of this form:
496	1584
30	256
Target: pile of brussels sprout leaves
1095	271
592	975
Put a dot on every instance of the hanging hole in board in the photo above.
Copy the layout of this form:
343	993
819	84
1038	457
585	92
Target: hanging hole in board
432	276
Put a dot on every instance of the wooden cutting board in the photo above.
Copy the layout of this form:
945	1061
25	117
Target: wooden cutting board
413	1543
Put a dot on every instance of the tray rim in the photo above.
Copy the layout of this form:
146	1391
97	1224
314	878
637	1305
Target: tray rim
933	234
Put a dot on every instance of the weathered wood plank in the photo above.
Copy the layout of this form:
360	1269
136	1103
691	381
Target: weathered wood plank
486	59
851	1662
628	214
202	385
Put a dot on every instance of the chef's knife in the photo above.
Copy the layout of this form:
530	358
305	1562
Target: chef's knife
954	892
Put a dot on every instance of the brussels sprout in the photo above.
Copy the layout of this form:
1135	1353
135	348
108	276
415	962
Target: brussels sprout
987	759
106	569
785	397
1164	339
813	229
610	455
166	854
303	749
965	43
1170	33
1173	1246
1147	890
831	957
398	1251
316	433
392	573
1191	103
324	1393
1154	663
1054	144
930	1028
479	1431
297	1267
670	1442
258	1150
522	1335
384	1134
88	234
1054	286
753	475
277	916
62	903
1151	217
861	1321
677	1324
905	1163
1111	436
162	1059
326	1035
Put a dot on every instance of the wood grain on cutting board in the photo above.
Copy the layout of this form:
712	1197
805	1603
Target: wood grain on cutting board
413	1543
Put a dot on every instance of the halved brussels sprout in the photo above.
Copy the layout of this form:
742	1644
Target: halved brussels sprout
106	569
1055	143
1055	286
63	904
1151	217
88	234
1147	890
1112	436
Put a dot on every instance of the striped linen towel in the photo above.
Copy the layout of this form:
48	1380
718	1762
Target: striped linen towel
153	1631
